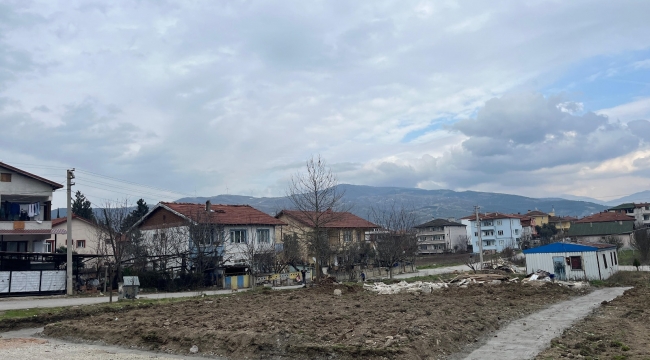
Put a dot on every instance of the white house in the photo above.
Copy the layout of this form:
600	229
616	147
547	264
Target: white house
228	232
574	261
498	231
440	235
25	208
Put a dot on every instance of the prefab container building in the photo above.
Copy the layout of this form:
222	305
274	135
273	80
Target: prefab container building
574	261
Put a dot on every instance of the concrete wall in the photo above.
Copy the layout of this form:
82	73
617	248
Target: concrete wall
592	263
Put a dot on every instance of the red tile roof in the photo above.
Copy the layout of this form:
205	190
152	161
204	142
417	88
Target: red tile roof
596	245
62	220
223	214
330	219
36	177
605	217
536	213
491	216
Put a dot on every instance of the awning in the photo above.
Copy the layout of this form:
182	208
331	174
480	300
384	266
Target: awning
33	232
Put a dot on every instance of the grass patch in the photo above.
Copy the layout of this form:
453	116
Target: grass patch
626	257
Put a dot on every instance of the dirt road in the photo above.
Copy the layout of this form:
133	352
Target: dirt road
525	338
27	344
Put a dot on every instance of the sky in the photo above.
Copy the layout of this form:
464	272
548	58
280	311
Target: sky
163	99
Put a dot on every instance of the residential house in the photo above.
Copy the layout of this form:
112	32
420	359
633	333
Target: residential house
498	231
440	235
341	227
600	227
25	207
84	236
528	230
573	261
222	235
640	212
540	217
562	223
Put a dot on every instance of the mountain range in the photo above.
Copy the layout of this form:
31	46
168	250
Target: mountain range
427	204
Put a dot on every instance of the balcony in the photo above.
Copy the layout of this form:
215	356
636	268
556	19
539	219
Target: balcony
25	225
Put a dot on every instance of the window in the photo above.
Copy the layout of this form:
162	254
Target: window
488	233
489	242
646	217
5	177
238	236
500	232
516	231
487	223
575	262
605	261
49	246
263	236
476	234
423	247
347	235
615	259
500	242
81	243
499	222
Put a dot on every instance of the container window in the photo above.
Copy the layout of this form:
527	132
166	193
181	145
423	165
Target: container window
576	262
605	260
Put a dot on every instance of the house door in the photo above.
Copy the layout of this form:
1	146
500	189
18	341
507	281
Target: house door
559	268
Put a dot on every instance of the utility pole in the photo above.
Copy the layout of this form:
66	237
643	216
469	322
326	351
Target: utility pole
480	238
68	266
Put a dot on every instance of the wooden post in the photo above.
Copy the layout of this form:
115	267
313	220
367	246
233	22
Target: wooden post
105	276
110	291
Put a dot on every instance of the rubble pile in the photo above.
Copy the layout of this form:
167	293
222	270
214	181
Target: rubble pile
427	287
539	275
544	276
503	265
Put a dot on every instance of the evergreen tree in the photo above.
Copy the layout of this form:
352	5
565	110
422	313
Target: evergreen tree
82	207
141	210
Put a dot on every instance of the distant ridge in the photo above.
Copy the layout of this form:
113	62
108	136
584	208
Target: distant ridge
426	203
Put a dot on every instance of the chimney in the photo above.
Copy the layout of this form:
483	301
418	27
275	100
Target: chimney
208	206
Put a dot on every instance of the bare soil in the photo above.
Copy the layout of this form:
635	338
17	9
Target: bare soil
617	330
314	323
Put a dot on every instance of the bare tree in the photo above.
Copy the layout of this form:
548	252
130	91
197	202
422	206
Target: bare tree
641	242
316	196
614	240
459	244
112	240
259	255
397	242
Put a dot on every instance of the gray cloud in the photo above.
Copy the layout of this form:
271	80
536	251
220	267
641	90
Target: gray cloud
233	94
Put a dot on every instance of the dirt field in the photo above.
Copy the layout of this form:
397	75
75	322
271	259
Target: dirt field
313	323
617	330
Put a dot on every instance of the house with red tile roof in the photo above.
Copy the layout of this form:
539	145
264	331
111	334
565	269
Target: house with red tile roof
183	234
600	227
25	207
341	227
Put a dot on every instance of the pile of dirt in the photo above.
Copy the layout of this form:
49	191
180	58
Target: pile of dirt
314	323
617	330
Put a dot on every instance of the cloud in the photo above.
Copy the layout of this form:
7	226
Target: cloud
218	95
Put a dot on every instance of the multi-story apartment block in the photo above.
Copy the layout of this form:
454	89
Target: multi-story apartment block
440	235
498	231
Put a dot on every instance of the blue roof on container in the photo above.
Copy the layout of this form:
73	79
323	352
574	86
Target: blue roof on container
559	247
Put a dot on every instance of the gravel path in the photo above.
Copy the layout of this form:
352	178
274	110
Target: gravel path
527	337
27	345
